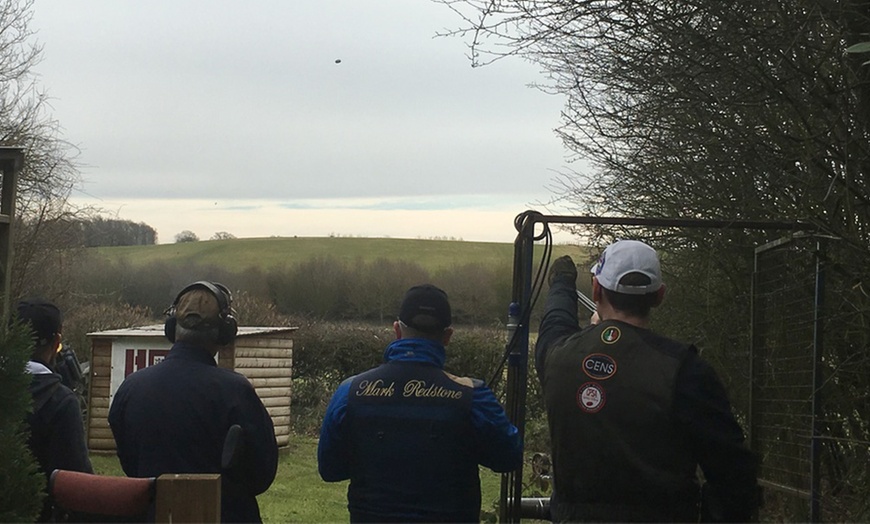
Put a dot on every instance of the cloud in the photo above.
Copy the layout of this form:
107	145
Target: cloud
408	203
202	99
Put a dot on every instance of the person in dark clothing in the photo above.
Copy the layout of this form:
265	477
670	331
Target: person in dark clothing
57	435
174	417
409	435
632	414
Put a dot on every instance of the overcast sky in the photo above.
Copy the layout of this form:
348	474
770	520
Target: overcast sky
238	117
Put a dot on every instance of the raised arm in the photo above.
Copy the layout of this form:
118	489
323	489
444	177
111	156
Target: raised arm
560	311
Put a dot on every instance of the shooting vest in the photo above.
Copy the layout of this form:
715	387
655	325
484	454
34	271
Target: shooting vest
617	453
412	446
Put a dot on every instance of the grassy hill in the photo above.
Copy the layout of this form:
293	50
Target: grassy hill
265	253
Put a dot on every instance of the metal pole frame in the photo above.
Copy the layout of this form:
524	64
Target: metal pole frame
518	353
516	384
818	382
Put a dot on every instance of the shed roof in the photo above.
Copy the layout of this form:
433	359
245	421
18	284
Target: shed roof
156	330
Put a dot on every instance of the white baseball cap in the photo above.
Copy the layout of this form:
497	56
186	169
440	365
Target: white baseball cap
624	257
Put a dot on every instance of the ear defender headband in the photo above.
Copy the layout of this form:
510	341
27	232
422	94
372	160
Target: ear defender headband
227	327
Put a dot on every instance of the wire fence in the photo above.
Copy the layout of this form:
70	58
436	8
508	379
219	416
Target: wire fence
810	374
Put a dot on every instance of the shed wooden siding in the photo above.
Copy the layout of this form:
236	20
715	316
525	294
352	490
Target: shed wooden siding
263	355
267	361
100	437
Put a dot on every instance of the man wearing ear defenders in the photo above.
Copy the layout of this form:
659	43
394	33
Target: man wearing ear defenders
173	417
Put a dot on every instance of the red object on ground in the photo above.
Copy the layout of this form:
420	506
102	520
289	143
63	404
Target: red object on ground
100	494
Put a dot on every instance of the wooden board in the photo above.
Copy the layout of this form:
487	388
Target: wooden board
101	444
272	402
273	392
102	423
266	372
247	352
264	342
279	411
100	402
100	433
281	421
262	362
98	414
270	382
188	498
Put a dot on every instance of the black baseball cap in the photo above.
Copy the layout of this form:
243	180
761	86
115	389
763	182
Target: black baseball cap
43	317
426	309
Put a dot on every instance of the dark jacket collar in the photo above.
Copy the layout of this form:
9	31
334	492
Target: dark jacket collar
187	351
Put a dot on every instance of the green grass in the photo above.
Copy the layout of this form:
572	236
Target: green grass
298	494
266	253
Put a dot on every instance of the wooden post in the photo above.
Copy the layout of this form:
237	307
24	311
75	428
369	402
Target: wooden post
227	356
11	160
188	498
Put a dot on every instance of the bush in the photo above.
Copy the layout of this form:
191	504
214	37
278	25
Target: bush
21	482
251	310
376	288
326	287
479	294
317	287
324	354
86	318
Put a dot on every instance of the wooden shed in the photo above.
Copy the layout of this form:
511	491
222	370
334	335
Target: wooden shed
263	354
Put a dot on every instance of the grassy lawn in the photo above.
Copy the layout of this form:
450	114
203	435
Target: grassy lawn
298	494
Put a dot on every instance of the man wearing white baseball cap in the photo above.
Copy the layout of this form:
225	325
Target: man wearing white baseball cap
633	414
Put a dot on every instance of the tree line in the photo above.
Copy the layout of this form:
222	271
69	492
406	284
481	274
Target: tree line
324	287
100	231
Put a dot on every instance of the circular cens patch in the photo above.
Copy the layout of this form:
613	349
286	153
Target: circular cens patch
610	335
599	366
590	397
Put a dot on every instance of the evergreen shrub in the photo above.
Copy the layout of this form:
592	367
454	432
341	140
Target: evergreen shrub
21	481
324	354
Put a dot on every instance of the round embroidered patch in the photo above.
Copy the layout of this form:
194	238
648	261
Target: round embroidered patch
610	335
599	366
590	397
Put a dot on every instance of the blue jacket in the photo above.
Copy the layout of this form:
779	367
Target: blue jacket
374	492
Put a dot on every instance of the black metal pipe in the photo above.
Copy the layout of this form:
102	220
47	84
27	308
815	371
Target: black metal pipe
517	369
537	508
677	222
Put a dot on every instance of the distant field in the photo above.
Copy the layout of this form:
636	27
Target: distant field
265	253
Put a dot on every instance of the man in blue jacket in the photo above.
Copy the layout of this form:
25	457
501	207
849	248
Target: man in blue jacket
409	435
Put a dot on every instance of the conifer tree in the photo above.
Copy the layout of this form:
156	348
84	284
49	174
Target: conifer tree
21	482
